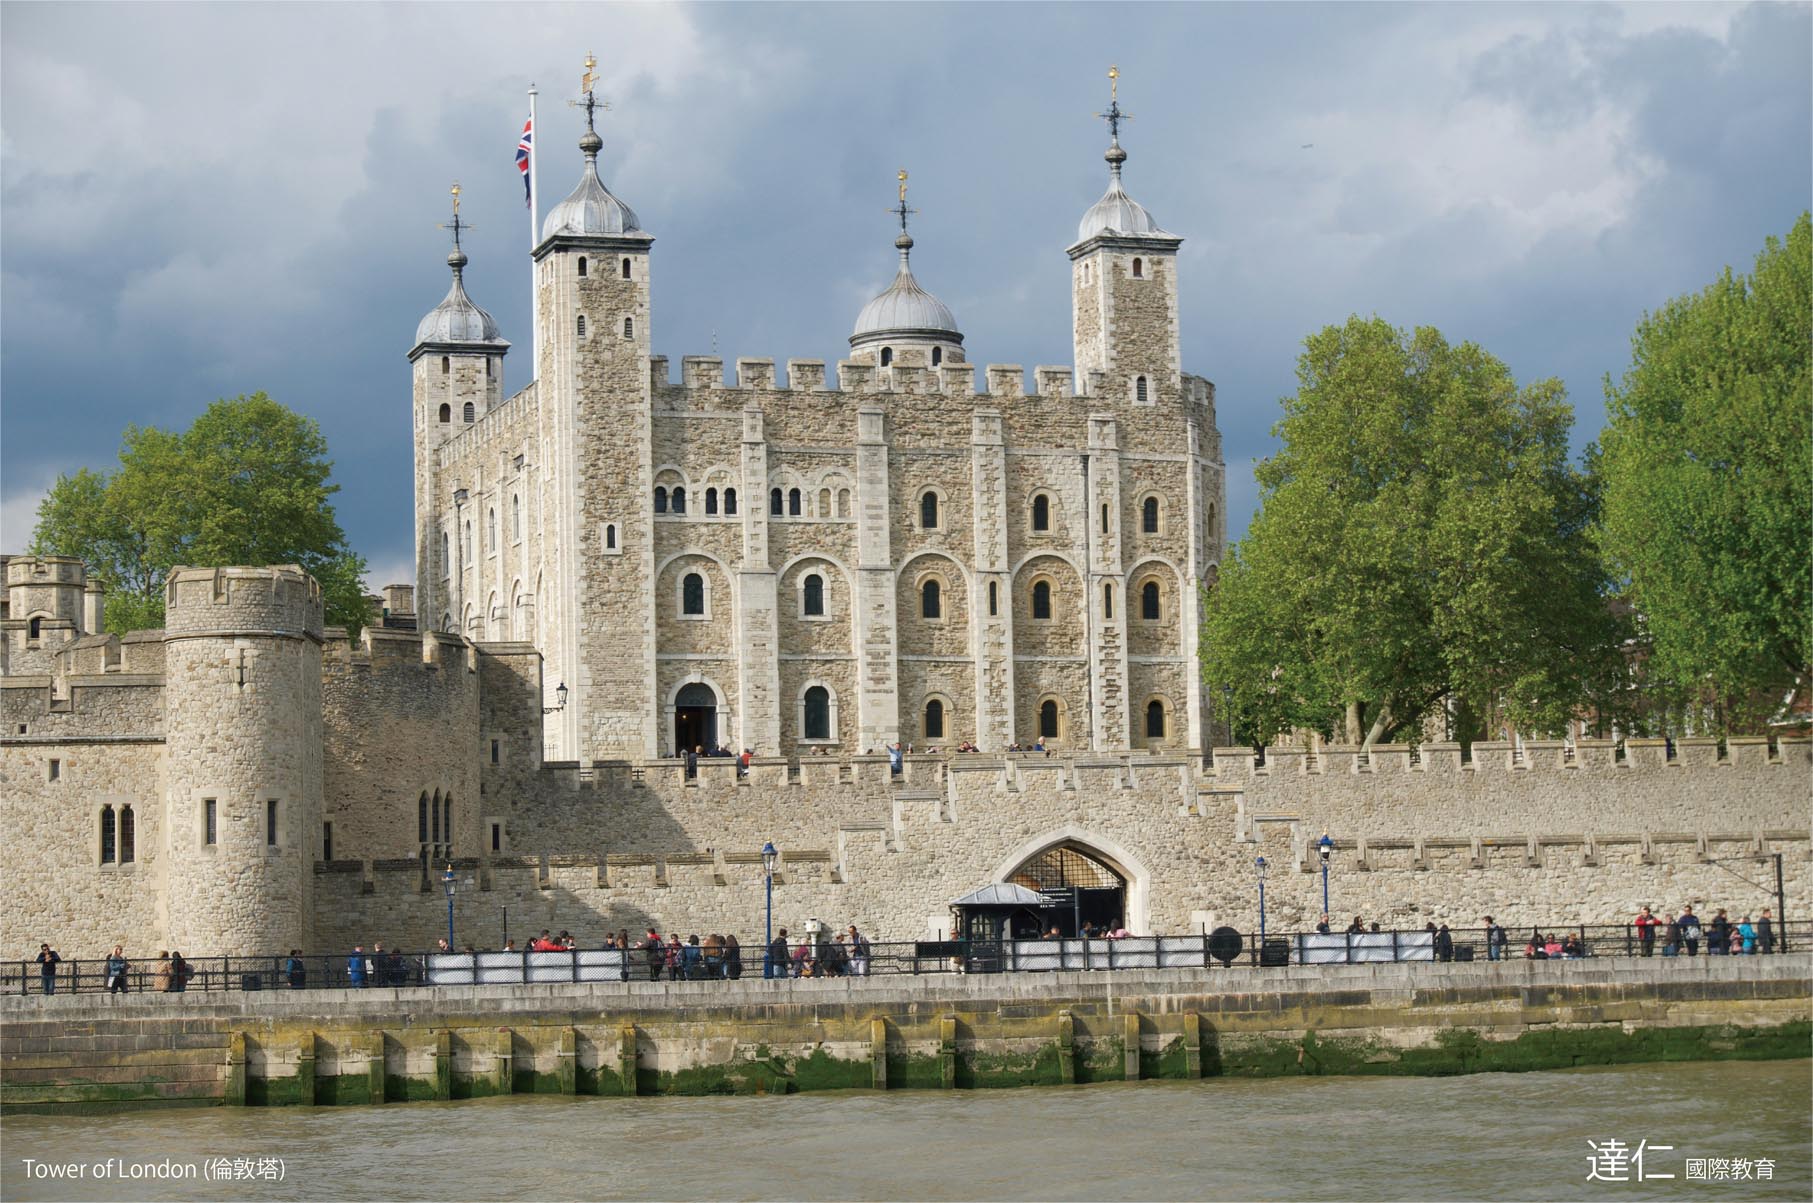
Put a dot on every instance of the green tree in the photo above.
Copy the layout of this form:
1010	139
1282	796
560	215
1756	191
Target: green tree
247	483
1708	465
1421	540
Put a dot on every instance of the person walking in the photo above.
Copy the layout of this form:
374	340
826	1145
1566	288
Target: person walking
859	953
47	968
1646	930
117	968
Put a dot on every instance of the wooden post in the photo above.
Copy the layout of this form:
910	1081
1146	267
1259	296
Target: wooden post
374	1068
236	1070
443	1065
947	1052
878	1053
503	1063
626	1060
305	1070
567	1061
1192	1044
1066	1048
1130	1045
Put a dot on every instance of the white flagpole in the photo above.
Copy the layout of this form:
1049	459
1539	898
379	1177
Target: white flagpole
534	231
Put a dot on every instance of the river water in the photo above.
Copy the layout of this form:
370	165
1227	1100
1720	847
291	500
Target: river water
1484	1136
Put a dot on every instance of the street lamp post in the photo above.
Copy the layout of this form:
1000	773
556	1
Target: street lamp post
1259	865
447	884
769	859
560	699
1325	846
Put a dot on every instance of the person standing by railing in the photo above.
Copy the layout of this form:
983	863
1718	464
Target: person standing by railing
1671	936
117	968
1495	940
1690	930
1646	930
296	970
355	966
1765	933
47	968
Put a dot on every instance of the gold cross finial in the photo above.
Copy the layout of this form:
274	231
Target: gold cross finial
588	79
456	198
903	180
1114	82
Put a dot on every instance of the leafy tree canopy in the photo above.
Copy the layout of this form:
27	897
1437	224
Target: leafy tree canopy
246	484
1421	540
1708	467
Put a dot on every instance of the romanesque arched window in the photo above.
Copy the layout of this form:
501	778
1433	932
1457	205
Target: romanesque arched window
1041	512
128	835
937	356
1139	269
515	516
887	356
1048	719
812	603
1148	602
928	510
660	499
679	499
582	325
793	503
1155	719
421	818
626	269
1139	390
730	501
816	722
843	503
931	603
610	536
469	411
711	501
692	594
629	327
934	719
446	412
1041	599
1148	516
582	267
109	850
491	530
824	503
1107	601
774	502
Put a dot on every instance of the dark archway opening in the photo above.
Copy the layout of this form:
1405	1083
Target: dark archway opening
1080	891
695	718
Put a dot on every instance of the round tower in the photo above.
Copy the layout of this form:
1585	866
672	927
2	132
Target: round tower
44	610
242	764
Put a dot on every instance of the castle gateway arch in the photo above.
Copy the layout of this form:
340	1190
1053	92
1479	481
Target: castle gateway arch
1103	883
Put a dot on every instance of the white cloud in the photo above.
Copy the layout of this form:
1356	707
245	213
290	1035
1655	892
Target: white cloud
19	512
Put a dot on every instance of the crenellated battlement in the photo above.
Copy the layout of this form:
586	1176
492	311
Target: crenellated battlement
385	651
279	600
1537	757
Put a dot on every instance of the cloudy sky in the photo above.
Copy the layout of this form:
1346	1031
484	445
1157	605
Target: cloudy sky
200	201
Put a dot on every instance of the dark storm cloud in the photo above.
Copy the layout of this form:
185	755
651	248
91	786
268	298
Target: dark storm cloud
255	205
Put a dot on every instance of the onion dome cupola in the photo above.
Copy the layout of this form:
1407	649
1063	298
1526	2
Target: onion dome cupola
906	324
592	211
1117	215
457	324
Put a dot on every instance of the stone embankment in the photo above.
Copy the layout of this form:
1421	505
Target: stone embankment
933	1032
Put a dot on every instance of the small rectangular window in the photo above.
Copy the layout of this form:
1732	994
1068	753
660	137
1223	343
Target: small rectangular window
270	822
497	837
494	751
208	829
327	841
56	769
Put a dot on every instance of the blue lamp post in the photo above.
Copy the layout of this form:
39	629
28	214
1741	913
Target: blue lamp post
447	884
769	858
1325	846
1259	865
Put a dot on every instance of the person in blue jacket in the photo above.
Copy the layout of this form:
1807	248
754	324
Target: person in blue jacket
355	965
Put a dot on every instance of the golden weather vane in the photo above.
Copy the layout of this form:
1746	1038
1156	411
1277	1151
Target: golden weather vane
587	101
1114	116
458	224
588	79
1114	81
903	180
456	198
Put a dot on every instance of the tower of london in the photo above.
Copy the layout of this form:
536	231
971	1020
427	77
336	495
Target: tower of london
813	565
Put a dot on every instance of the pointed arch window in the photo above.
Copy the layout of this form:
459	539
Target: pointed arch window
1148	516
774	502
660	499
515	516
491	530
931	600
692	595
994	598
610	536
730	502
1041	512
1155	719
1149	602
421	818
813	603
1048	719
1041	599
817	717
934	719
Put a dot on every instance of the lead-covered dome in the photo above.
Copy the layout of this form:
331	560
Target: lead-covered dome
590	211
457	319
905	309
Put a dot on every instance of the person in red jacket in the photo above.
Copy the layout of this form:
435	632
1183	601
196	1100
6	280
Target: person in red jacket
1646	930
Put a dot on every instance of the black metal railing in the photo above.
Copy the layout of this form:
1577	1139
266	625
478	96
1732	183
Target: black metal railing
1215	951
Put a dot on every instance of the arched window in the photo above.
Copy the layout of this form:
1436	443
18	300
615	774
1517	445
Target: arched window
817	723
469	412
931	604
434	818
1048	719
937	356
582	325
814	600
582	267
491	530
994	598
447	825
774	502
626	269
934	719
679	497
1041	512
610	536
446	365
629	327
1041	599
1148	516
446	562
928	510
466	544
692	594
1139	390
824	503
1148	601
660	499
843	503
515	516
1139	269
446	412
887	356
711	501
793	503
109	852
1155	719
1107	601
421	818
128	836
730	501
1104	517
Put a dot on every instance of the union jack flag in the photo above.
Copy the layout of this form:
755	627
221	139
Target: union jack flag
523	146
